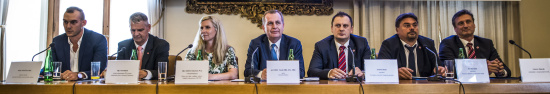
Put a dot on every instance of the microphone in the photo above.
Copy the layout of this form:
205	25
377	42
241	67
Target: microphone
52	44
354	77
190	45
512	42
251	78
435	77
176	59
121	49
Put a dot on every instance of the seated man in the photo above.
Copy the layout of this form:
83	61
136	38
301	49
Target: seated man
150	49
78	47
332	54
273	45
474	46
409	48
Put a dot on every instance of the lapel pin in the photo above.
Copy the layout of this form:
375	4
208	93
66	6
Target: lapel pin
477	47
353	50
147	52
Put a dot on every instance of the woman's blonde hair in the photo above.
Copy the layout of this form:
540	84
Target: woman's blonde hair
220	42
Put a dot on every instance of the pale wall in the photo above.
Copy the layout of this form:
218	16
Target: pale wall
535	20
181	28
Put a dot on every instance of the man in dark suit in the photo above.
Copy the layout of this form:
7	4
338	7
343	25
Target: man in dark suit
474	46
78	47
151	49
409	48
333	57
273	45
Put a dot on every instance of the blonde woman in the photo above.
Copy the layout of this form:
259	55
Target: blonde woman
212	43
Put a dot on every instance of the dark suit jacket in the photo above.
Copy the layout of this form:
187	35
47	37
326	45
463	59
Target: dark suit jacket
93	47
484	48
155	51
325	55
264	52
392	48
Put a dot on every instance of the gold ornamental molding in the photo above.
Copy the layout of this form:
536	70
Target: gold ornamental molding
254	10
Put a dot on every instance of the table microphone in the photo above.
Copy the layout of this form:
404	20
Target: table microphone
121	49
512	42
435	77
251	78
176	59
354	77
52	44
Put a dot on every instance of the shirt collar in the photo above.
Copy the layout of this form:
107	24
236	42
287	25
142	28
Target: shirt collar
142	46
465	42
278	43
79	40
338	44
407	45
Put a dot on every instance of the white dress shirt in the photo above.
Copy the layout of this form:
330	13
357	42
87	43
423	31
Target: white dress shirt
405	45
75	54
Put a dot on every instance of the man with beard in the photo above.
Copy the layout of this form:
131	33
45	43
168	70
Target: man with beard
474	46
78	47
273	45
409	48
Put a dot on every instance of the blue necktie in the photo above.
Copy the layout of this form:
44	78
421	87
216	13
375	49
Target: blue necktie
412	59
273	52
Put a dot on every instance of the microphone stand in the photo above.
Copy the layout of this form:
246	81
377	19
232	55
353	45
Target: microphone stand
251	78
353	77
437	76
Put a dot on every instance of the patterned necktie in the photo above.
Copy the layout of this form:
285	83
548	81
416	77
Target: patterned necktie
412	60
140	54
471	51
273	52
342	59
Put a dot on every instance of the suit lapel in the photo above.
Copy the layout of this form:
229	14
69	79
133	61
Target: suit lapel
401	53
83	47
333	53
459	45
477	48
283	49
351	47
148	49
66	49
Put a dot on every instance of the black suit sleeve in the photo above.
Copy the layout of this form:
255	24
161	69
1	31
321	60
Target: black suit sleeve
100	54
248	68
366	55
385	51
445	51
316	65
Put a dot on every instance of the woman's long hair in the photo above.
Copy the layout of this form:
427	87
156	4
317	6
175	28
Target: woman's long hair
220	42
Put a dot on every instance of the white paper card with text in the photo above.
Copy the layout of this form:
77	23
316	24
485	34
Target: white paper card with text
472	70
189	72
535	70
283	72
122	72
24	72
381	70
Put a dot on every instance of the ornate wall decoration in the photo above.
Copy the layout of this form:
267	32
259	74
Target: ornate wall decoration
254	9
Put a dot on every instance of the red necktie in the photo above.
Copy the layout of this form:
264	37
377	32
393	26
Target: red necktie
342	59
471	51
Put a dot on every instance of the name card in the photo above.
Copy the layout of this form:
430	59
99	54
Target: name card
472	70
535	70
283	72
122	71
192	72
24	72
381	70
